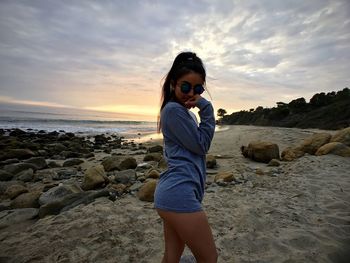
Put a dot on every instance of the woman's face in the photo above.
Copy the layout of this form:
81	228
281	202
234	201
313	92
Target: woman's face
193	79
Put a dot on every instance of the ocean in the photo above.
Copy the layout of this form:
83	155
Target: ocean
82	122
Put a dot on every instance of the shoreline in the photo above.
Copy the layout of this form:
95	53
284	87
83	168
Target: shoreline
294	212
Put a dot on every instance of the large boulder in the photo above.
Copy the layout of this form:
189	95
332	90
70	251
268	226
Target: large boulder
70	201
146	192
311	144
57	193
342	136
15	216
94	177
261	151
336	148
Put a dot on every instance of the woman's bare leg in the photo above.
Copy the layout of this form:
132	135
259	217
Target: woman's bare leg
174	246
194	230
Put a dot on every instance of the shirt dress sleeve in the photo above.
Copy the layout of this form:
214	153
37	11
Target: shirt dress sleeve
179	126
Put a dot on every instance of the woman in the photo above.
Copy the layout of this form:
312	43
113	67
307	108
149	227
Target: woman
180	189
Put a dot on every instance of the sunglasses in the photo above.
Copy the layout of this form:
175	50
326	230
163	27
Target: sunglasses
186	88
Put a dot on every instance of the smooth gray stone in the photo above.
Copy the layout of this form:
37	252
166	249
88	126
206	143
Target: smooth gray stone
11	217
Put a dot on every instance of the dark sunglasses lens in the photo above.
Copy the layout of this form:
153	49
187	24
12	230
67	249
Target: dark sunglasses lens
185	88
198	89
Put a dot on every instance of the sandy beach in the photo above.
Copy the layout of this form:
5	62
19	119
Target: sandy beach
296	212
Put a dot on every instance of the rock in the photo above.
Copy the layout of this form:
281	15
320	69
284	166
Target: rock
39	162
342	136
6	184
72	162
261	151
101	139
94	177
116	163
12	217
64	174
119	188
290	154
135	187
259	171
143	166
9	161
274	162
19	167
70	201
311	144
125	177
17	153
146	192
156	148
224	176
210	161
111	163
162	164
5	176
152	157
15	190
57	147
152	174
55	208
53	164
336	148
26	200
26	176
54	194
128	163
221	182
70	154
17	132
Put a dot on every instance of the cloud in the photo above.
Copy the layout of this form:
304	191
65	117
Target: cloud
115	52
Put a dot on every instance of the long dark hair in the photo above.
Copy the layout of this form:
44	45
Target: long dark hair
184	63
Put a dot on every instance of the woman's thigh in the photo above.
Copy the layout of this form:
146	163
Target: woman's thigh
194	230
174	246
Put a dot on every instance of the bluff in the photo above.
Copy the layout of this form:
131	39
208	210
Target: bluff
329	111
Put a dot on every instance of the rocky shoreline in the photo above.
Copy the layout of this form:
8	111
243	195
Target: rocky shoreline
47	173
91	197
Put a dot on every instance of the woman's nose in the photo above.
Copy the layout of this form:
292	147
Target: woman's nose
191	92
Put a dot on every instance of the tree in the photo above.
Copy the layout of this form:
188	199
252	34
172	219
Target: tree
298	105
221	112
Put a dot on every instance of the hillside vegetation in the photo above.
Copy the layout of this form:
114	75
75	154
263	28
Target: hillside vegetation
329	111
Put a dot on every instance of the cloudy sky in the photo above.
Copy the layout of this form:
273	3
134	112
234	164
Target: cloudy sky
112	55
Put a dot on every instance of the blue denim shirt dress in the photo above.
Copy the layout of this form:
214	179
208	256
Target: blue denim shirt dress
181	187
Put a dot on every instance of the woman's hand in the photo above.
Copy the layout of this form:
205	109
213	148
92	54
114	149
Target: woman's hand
192	102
